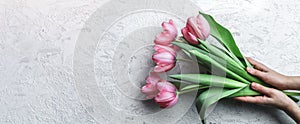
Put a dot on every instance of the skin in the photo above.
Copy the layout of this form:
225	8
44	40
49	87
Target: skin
273	97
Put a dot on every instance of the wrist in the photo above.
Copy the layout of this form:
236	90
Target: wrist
289	82
290	108
293	111
293	82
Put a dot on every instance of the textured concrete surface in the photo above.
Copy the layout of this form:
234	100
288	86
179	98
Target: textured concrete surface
41	80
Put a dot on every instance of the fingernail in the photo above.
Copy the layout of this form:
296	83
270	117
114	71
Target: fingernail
253	85
249	69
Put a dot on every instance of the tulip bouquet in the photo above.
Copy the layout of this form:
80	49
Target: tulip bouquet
211	87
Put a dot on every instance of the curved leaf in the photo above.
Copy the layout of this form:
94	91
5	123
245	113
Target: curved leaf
209	80
210	97
214	50
192	87
224	36
218	65
292	93
208	58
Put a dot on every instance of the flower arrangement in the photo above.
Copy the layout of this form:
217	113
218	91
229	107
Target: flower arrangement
211	87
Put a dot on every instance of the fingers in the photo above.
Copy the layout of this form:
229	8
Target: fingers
256	72
257	64
251	99
257	99
262	89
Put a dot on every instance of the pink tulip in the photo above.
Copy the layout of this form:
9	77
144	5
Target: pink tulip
163	67
150	89
164	60
171	48
163	57
196	27
167	96
168	35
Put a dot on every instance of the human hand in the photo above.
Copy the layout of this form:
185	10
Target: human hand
274	98
268	75
271	97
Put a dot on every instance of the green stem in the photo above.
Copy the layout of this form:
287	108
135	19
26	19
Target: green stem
203	47
291	93
232	55
213	62
227	64
184	60
215	51
192	89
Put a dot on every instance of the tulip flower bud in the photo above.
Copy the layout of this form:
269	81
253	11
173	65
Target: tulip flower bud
150	89
196	27
164	60
168	35
167	96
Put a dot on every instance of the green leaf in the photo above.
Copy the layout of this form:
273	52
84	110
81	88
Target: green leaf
218	65
292	93
224	36
215	51
210	97
206	58
226	64
230	63
192	87
247	91
209	80
187	53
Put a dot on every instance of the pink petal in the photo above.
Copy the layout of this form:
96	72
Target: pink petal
168	104
163	104
189	36
163	58
170	27
195	27
172	103
199	27
161	48
189	25
168	34
203	25
165	85
150	90
164	38
193	39
153	78
164	96
163	68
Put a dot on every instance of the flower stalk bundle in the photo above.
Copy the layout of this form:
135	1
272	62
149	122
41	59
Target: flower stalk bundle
211	87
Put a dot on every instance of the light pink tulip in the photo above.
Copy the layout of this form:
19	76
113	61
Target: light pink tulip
171	48
168	35
163	57
150	89
163	67
164	60
167	96
196	27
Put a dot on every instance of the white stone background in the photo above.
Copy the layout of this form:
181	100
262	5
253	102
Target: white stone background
38	37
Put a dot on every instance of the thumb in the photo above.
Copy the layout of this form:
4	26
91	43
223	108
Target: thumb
262	89
256	72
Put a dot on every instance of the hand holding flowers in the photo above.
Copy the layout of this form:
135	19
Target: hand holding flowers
229	59
272	96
